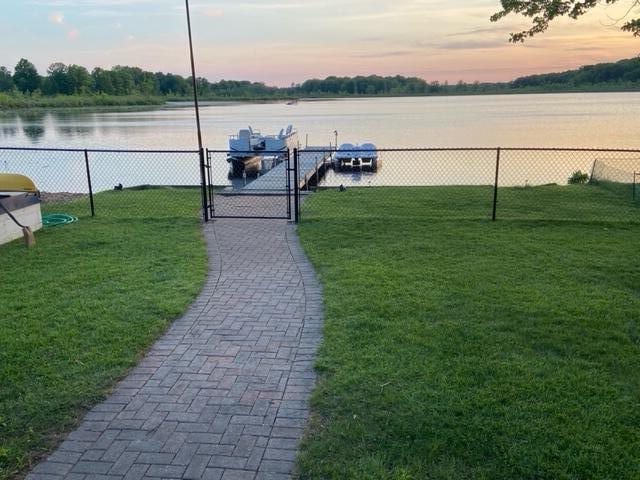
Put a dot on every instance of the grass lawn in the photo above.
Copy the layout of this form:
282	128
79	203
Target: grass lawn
81	307
459	348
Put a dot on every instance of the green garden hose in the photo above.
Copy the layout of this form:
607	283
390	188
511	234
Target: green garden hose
54	219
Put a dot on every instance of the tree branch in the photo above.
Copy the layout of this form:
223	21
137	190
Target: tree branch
543	12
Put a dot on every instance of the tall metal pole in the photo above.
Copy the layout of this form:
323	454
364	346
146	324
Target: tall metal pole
197	108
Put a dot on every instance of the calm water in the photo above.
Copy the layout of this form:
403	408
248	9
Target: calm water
604	120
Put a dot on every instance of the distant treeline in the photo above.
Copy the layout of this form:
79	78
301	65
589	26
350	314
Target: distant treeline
74	85
26	85
624	73
621	75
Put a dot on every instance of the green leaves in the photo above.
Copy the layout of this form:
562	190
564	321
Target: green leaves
543	12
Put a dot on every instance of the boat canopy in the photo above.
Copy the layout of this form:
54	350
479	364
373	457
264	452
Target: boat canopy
368	150
346	150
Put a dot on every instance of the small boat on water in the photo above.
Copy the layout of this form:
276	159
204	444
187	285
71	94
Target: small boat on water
20	202
251	153
356	157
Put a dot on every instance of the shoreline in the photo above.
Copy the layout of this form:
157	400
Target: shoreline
184	103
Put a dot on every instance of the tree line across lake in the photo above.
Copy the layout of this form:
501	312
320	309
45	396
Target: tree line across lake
72	85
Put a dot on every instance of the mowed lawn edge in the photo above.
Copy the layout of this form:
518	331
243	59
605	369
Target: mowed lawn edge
80	309
456	347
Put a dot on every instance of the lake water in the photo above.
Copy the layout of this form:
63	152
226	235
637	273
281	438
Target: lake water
603	120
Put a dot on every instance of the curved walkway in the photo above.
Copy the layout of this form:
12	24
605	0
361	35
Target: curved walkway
224	393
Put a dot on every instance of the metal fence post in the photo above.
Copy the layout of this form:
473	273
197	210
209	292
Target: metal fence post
495	185
86	163
211	209
296	187
203	187
288	181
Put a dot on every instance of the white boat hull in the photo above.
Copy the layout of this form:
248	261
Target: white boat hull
26	209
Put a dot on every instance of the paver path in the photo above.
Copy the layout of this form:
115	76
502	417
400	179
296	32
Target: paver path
224	393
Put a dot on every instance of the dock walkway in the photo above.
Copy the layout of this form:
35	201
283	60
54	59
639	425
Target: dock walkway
224	393
311	163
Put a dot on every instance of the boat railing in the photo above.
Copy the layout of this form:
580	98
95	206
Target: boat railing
256	134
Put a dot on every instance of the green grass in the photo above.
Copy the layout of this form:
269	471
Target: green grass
459	348
81	307
20	101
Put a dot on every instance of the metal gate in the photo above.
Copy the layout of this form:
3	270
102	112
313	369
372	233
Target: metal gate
246	185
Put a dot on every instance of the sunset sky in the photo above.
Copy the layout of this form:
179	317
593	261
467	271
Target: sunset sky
284	41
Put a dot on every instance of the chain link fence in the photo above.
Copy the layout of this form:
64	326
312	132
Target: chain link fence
110	182
473	183
482	183
566	184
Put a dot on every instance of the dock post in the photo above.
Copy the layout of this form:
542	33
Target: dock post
296	187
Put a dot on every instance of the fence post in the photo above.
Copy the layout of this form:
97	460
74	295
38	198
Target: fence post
288	171
211	209
203	187
86	163
495	185
296	187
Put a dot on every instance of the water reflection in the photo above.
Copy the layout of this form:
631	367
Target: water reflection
8	132
55	127
600	120
72	131
32	116
360	178
34	132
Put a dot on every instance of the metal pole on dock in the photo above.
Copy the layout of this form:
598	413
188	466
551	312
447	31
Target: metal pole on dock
205	213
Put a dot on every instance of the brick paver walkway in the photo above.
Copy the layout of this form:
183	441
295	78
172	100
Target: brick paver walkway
224	393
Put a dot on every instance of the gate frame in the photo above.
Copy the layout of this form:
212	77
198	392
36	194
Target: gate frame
289	194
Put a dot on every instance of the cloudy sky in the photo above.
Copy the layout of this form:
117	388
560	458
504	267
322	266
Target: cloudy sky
284	41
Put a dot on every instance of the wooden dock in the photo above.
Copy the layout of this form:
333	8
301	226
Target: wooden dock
312	166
